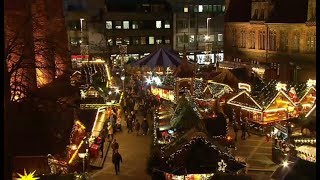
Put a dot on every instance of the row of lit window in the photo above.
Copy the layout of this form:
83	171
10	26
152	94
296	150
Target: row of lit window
137	24
204	8
127	41
200	38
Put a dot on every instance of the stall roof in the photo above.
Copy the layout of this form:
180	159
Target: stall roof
261	95
197	156
218	89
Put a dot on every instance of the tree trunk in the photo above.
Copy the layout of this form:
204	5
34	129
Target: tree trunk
7	103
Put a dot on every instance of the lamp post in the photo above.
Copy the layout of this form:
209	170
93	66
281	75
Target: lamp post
83	156
122	79
208	25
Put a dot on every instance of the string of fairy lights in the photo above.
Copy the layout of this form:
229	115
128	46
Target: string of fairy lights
185	147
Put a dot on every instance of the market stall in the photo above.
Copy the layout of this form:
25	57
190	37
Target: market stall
195	156
309	97
263	105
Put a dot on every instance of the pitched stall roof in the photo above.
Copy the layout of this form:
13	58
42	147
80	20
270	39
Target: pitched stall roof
160	58
261	95
218	89
197	156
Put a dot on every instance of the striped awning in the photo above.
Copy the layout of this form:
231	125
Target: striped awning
160	58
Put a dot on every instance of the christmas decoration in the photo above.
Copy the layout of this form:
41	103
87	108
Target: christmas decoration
222	166
27	176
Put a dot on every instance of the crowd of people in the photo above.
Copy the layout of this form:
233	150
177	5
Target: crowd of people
136	105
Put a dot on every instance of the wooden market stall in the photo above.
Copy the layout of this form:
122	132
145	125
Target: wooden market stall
264	105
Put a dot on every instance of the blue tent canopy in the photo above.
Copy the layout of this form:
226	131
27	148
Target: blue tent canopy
160	58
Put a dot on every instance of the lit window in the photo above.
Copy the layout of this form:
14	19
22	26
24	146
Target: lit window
151	40
125	24
108	24
223	8
200	8
118	25
126	41
220	37
185	9
159	40
167	24
118	41
191	38
167	41
158	24
143	40
135	25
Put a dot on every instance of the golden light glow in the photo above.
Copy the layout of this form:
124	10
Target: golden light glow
75	153
275	110
27	176
243	92
80	124
244	86
312	109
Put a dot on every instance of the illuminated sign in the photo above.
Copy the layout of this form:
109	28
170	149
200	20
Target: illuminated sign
244	86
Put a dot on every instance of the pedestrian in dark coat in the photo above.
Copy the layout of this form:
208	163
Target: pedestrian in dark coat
243	129
137	127
129	124
101	145
144	126
114	146
235	129
246	127
116	159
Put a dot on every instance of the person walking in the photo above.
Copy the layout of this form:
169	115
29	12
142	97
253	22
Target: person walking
130	125
137	127
246	126
243	129
101	145
110	132
144	126
114	146
116	159
235	129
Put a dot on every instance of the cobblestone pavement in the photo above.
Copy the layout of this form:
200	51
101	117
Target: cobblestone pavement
257	153
135	153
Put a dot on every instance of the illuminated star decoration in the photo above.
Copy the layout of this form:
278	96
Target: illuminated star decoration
222	166
27	176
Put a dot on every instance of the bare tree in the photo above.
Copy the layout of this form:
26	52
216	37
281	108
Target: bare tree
30	55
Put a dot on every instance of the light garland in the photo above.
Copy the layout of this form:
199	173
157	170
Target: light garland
192	141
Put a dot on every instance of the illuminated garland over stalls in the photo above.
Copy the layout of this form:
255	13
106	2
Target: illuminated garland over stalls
192	141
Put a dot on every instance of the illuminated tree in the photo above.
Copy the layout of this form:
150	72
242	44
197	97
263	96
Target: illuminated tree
34	56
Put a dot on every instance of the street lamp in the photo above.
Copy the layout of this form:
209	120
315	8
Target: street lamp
83	156
208	27
122	78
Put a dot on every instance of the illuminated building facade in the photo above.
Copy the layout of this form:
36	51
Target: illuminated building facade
277	38
35	44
